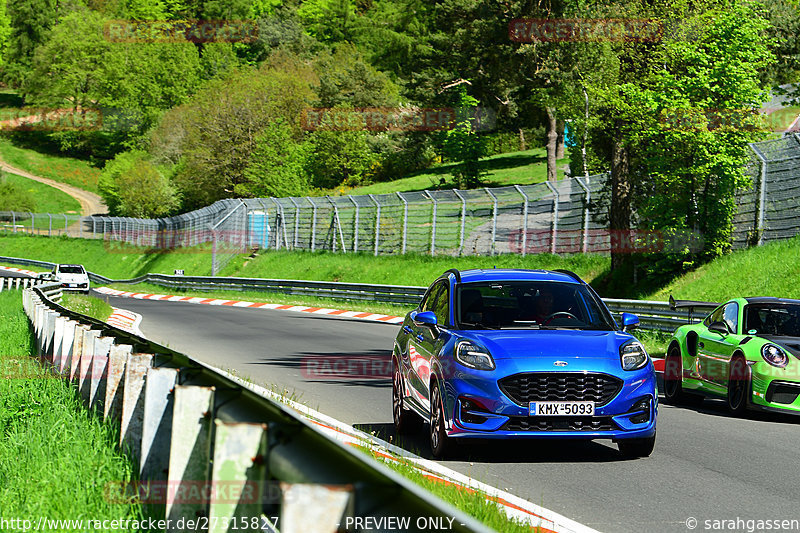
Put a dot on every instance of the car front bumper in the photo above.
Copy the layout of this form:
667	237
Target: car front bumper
619	418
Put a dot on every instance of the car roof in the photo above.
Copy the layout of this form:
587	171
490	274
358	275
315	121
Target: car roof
770	300
69	265
514	274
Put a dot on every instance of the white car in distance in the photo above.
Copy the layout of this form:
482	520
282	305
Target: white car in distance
71	277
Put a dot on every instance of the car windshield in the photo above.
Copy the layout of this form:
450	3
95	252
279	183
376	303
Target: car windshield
780	320
70	269
530	304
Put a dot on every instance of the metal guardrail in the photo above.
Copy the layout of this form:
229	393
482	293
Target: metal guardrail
653	315
190	426
52	290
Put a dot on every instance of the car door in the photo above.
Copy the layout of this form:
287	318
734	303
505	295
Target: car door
714	349
423	343
418	365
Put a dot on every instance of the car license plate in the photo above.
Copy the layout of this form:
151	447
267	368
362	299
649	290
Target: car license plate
561	409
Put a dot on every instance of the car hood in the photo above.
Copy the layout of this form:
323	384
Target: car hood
541	349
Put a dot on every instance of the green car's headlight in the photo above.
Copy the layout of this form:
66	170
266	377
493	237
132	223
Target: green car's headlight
774	355
633	356
473	356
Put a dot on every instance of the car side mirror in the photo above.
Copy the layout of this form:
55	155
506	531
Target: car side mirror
424	318
629	321
719	327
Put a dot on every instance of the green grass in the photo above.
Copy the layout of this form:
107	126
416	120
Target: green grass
69	170
48	199
87	305
409	269
470	502
55	460
769	270
513	168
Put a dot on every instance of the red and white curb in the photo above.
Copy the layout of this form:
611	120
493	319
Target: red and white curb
20	271
126	320
373	317
516	508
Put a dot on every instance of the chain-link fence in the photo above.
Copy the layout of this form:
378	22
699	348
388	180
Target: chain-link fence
559	217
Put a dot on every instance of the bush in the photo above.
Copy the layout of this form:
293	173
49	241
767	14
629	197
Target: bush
15	198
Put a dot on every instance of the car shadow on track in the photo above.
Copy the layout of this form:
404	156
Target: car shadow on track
501	451
715	407
367	368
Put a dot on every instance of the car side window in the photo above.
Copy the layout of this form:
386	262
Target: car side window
730	316
441	307
430	299
715	316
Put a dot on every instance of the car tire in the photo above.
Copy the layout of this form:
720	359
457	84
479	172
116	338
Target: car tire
636	448
440	443
738	386
403	418
673	380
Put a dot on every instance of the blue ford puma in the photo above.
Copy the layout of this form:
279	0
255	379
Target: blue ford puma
522	353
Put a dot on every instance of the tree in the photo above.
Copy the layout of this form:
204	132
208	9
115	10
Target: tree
463	144
219	127
31	21
5	31
277	166
133	187
340	158
346	79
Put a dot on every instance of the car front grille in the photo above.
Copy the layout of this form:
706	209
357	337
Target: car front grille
560	387
560	423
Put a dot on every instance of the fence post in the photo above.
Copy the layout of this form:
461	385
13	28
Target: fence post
313	223
554	227
336	224
377	222
49	225
762	194
463	220
433	221
494	216
65	224
405	222
524	220
33	231
585	237
14	221
296	222
355	225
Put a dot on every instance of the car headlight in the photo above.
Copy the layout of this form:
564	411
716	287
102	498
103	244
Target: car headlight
774	355
473	356
633	356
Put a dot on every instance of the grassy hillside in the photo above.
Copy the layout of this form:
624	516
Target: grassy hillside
48	199
514	168
363	268
770	270
76	172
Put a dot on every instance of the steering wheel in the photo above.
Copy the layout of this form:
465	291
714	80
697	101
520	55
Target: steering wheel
551	316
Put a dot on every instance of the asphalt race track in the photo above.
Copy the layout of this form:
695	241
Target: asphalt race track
706	465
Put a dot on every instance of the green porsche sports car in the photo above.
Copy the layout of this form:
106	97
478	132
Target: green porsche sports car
746	351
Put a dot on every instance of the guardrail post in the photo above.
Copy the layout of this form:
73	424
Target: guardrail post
190	450
377	222
75	353
48	333
133	402
405	222
65	350
112	403
554	227
85	363
494	217
310	507
157	422
524	219
58	334
99	364
239	452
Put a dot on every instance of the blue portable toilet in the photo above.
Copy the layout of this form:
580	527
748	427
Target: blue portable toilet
258	228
